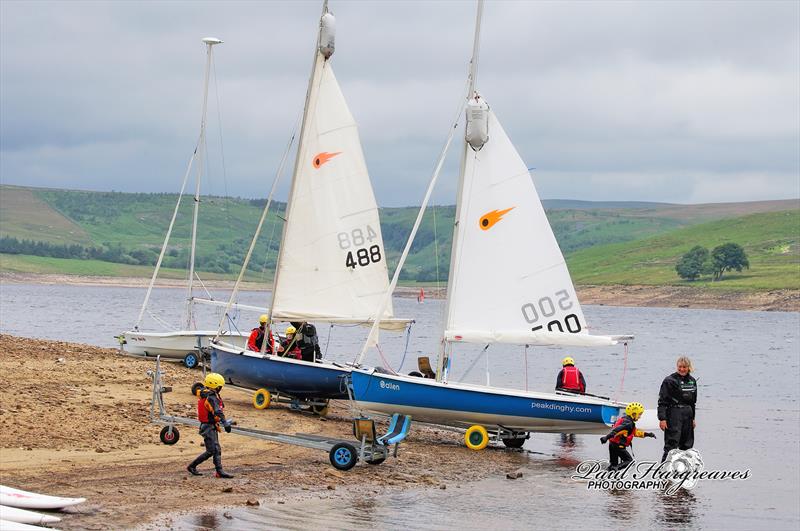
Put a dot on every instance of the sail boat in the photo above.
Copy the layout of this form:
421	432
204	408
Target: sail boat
508	284
179	344
331	265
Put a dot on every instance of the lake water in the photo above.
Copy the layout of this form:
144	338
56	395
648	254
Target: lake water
748	370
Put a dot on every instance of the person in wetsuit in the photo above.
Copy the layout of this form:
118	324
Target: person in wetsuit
621	436
570	378
211	413
306	337
676	407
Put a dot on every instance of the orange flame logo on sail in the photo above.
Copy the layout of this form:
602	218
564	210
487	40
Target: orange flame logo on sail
489	219
322	158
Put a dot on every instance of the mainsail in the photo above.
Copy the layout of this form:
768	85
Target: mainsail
509	282
332	262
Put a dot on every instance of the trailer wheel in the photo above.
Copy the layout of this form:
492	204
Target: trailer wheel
191	360
261	399
168	436
476	438
343	456
196	388
514	443
377	460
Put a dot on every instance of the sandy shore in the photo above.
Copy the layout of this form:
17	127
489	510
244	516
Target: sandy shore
74	422
782	300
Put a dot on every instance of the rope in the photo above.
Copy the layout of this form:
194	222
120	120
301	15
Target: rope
383	358
328	342
474	362
405	350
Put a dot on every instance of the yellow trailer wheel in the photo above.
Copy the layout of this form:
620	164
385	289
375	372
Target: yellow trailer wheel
261	399
477	438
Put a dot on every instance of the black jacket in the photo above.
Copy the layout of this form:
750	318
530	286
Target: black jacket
676	390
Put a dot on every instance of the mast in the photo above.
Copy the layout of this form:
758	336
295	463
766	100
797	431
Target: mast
301	145
209	42
444	348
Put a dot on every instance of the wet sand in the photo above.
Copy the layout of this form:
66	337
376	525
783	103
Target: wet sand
74	421
780	300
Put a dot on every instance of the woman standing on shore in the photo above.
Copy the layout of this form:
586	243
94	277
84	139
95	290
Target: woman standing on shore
676	407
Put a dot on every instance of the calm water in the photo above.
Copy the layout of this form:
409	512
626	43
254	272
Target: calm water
748	370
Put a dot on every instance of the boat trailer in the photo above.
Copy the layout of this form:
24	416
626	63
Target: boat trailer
343	454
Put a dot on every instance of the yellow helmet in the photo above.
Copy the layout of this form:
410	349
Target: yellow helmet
634	410
290	330
263	319
567	361
214	381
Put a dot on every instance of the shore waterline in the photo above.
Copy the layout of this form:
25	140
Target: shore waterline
746	364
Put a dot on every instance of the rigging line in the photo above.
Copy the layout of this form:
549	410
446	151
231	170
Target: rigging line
202	285
405	349
222	152
163	323
166	238
385	361
269	249
624	370
474	362
436	251
235	291
328	342
372	337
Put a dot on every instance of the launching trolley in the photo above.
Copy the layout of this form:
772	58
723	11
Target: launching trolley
343	454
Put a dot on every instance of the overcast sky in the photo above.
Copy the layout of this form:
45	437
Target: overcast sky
683	102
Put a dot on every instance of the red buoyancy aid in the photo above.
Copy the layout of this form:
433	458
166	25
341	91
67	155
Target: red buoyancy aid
623	438
571	379
205	412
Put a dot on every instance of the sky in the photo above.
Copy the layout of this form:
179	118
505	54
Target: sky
682	102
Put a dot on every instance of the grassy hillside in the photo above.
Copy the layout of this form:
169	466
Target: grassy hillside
770	240
129	230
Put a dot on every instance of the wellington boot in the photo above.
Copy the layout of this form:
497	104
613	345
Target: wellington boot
222	474
193	470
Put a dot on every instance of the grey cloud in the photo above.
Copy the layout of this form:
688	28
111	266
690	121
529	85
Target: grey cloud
660	101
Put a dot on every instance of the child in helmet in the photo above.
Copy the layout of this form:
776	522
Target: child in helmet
291	347
621	436
211	413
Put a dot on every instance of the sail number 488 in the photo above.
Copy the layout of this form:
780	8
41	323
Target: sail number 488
545	307
360	256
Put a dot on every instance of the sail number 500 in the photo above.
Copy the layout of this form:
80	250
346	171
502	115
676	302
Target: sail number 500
545	307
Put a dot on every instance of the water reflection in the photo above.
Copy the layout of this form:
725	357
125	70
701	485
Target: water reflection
621	505
677	509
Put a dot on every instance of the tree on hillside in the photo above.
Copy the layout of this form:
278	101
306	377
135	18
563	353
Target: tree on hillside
693	264
728	257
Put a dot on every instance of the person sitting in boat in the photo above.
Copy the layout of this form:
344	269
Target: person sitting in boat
570	378
621	436
211	413
256	339
291	348
306	336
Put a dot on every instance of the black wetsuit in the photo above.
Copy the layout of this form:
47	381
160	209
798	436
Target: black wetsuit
676	405
308	342
210	430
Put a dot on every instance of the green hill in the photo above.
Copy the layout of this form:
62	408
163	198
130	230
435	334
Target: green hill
769	239
114	233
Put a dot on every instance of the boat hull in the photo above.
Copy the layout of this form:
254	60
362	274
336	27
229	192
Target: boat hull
295	378
464	405
172	345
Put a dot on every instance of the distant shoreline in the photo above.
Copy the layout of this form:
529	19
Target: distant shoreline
782	300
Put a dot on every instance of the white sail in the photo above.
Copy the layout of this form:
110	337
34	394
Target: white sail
332	264
509	282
